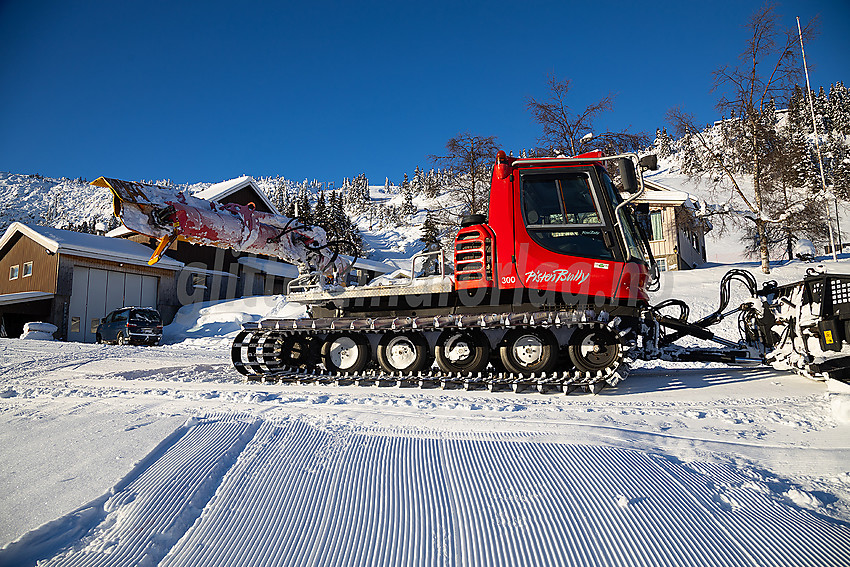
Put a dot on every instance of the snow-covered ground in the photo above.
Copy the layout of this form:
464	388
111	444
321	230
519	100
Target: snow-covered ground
120	455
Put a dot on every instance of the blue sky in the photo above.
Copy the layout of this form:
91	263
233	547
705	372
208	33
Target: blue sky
205	91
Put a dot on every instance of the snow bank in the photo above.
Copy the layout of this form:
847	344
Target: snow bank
804	249
839	398
216	323
39	331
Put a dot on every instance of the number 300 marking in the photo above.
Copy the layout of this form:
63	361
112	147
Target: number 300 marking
508	279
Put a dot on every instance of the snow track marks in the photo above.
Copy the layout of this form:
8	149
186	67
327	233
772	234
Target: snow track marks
229	490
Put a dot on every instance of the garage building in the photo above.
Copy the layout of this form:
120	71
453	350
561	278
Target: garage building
72	279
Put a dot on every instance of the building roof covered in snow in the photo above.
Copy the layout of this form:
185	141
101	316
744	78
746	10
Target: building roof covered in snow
661	194
219	191
58	241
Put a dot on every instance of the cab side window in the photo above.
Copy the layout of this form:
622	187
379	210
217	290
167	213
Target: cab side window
561	214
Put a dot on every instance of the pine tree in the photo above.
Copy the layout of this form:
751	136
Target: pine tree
418	181
821	104
662	144
320	211
432	185
839	109
430	233
303	210
279	193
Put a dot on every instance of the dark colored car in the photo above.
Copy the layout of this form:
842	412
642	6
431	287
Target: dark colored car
131	325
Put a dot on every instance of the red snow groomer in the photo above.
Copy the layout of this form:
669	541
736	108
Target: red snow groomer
548	290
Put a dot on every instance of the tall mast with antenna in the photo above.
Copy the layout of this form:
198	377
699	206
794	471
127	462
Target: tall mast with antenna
817	145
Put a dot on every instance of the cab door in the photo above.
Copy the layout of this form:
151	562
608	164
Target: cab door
565	235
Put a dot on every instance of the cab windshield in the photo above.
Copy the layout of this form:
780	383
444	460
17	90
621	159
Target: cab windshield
562	214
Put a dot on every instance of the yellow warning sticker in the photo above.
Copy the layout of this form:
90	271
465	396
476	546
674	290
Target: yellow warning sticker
827	336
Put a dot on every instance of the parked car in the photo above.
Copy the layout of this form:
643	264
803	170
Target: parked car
130	325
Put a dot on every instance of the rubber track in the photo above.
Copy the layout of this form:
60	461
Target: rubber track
253	352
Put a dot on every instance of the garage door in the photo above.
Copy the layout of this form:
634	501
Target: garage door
94	293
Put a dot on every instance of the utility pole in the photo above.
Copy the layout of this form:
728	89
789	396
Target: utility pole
817	146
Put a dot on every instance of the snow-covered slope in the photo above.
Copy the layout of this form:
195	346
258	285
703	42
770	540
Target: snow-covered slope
33	199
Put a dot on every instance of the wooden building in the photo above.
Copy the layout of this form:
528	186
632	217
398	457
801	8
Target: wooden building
676	233
73	279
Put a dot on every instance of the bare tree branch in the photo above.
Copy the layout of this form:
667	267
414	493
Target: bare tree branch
467	160
565	131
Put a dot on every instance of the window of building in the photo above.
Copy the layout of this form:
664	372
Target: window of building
27	270
199	281
657	227
13	272
662	264
75	324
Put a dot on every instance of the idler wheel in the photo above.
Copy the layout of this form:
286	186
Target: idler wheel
592	350
299	351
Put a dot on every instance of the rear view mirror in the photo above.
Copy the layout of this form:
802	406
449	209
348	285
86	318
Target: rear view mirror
628	175
649	162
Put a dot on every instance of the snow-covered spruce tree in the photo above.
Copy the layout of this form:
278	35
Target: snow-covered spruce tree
430	233
432	184
418	181
407	192
768	69
839	108
339	227
662	146
357	194
407	207
279	193
300	207
320	212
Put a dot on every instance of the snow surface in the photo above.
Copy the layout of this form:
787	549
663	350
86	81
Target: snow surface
122	455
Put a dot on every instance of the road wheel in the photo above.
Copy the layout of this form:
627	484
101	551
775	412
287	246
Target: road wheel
344	352
592	350
524	351
299	351
462	351
403	352
120	339
98	339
